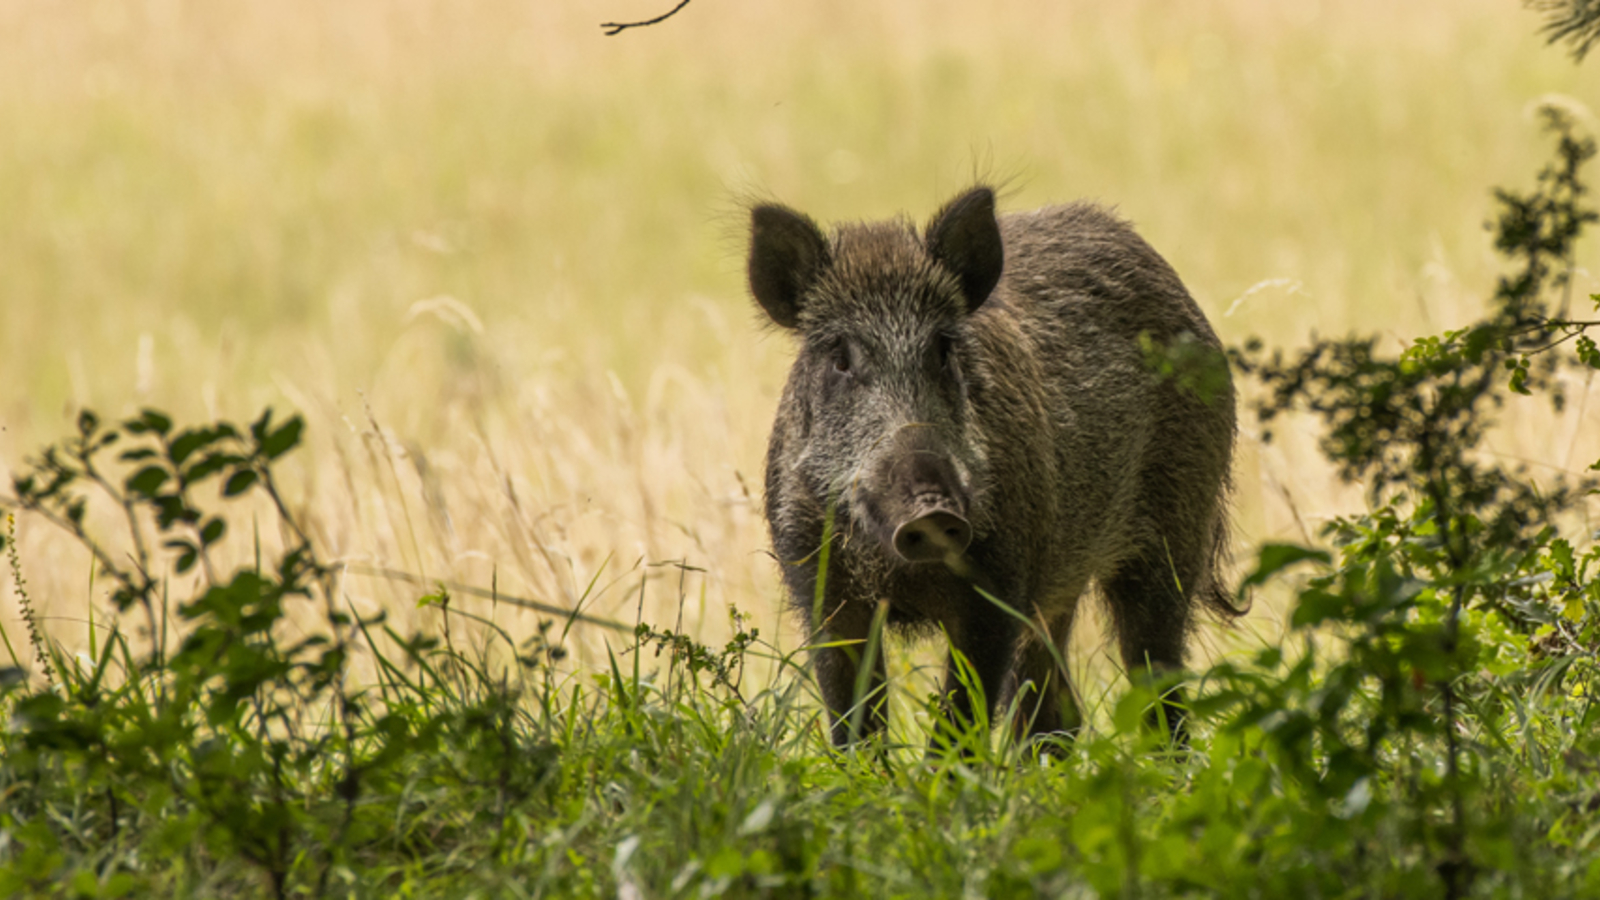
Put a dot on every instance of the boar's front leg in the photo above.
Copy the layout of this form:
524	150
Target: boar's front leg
853	716
1040	686
987	637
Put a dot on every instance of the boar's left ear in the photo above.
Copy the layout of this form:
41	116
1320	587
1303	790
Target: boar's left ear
965	237
787	255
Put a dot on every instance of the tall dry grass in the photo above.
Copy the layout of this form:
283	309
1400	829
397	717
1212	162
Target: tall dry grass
495	257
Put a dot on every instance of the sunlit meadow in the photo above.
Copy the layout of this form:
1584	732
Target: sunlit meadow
495	258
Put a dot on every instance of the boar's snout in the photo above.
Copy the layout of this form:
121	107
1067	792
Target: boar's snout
923	507
932	537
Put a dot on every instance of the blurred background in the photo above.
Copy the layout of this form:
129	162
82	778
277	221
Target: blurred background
496	258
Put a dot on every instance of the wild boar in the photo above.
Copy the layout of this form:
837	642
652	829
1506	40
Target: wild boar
978	408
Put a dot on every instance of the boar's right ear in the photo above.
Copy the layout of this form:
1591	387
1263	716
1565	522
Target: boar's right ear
787	255
965	237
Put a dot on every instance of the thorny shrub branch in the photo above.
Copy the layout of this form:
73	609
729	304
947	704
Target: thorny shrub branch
1410	427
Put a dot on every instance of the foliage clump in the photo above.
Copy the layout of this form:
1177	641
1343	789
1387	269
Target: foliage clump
1438	589
239	755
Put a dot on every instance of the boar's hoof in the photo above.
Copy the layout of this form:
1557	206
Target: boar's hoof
932	537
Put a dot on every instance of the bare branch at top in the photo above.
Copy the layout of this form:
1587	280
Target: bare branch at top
619	27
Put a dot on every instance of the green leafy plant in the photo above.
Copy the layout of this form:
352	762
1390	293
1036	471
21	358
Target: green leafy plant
237	743
1429	593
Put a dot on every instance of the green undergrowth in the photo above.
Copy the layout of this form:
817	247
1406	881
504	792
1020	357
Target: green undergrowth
236	763
1427	728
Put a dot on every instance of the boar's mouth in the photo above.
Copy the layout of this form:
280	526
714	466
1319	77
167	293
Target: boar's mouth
917	508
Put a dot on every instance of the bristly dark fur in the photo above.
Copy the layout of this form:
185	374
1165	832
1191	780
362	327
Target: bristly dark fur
1009	353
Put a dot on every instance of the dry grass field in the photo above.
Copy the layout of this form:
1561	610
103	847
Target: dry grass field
495	258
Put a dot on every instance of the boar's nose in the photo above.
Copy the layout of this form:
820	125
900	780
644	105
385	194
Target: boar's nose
932	537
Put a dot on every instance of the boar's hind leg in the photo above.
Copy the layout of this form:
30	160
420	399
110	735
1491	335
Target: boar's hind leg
1152	612
1040	687
838	668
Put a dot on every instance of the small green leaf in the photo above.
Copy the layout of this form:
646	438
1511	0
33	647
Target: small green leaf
137	454
149	420
147	481
1575	607
260	427
170	509
1588	353
187	553
239	482
84	884
726	863
1519	381
212	532
1317	606
211	464
284	439
1561	560
186	443
1274	558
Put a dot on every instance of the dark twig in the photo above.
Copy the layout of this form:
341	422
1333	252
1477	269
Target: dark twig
619	27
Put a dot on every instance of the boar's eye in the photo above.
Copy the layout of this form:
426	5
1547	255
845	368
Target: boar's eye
841	358
944	348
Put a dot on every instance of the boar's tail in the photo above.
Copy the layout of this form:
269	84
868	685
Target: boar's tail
1215	594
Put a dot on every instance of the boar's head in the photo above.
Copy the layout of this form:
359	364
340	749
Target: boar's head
880	400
